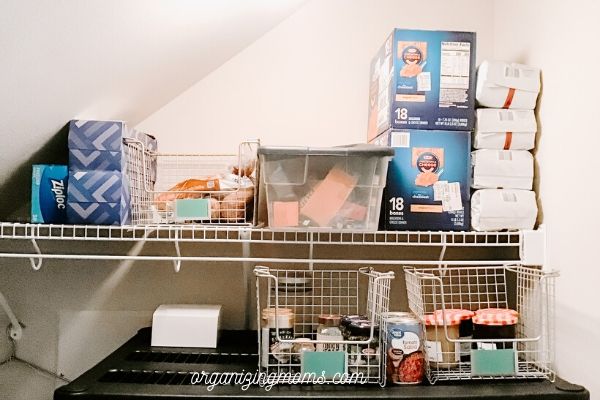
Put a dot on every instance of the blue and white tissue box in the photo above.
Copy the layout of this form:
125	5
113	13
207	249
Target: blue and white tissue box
99	173
98	145
98	197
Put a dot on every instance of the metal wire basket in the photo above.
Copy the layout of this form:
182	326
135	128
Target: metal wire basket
529	291
186	188
309	294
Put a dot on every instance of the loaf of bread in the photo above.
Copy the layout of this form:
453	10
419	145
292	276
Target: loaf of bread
233	206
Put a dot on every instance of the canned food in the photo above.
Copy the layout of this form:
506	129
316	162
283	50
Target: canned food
404	349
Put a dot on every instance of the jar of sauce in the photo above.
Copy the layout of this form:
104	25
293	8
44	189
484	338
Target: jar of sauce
441	352
495	323
465	330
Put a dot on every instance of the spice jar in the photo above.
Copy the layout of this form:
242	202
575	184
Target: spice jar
465	330
495	323
346	320
329	331
364	357
272	351
297	290
441	352
301	346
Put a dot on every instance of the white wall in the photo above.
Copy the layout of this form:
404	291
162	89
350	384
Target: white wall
306	81
560	37
110	59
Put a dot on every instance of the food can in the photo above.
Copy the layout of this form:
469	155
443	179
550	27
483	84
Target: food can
405	362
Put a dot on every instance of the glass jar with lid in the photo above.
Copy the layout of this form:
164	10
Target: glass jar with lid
465	330
441	351
364	358
272	319
329	331
495	323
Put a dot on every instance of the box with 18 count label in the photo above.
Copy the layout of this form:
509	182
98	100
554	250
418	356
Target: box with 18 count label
427	181
423	80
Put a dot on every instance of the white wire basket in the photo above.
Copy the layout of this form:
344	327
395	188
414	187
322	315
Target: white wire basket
309	294
188	188
529	291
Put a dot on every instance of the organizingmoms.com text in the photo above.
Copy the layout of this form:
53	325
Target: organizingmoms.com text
261	379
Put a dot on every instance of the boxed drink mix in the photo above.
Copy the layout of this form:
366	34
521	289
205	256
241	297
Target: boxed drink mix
423	80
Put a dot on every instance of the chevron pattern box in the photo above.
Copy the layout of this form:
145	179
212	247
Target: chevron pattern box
98	145
98	176
98	197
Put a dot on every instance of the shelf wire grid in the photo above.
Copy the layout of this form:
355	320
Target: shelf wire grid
529	290
310	293
216	233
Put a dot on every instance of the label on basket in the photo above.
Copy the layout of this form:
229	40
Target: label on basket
434	351
192	209
328	364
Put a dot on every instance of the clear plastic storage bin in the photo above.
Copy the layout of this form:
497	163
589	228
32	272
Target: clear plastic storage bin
324	188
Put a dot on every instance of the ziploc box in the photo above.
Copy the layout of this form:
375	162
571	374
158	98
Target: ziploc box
99	189
428	180
423	80
49	194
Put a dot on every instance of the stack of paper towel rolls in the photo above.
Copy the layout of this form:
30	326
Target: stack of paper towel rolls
504	135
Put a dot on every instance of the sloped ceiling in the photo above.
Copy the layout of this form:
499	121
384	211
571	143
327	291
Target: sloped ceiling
107	59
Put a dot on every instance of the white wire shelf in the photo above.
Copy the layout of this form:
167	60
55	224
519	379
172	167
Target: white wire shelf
228	234
428	248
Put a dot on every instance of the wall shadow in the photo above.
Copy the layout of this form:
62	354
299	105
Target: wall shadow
15	192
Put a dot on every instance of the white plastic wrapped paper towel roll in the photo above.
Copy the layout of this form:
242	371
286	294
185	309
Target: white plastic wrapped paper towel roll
501	129
502	169
505	85
498	209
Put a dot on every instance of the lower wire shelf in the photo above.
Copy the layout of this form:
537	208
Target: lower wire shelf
138	371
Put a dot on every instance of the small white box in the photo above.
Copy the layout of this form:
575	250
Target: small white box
186	325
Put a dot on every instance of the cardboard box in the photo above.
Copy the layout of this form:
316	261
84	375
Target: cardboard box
186	325
98	197
49	185
423	80
428	180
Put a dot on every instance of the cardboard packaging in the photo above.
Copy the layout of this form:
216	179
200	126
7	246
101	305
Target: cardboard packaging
186	325
496	128
49	185
99	192
423	80
506	85
498	209
428	180
502	169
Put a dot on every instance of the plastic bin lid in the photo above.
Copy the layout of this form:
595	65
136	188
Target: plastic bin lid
370	150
